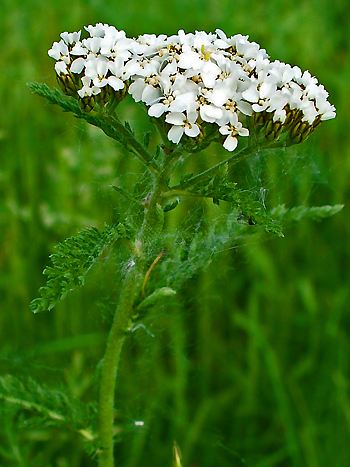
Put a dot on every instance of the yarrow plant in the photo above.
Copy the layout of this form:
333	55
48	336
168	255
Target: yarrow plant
197	88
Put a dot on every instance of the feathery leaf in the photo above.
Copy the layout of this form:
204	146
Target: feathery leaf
71	261
51	406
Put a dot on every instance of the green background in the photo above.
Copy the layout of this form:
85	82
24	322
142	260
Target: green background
252	369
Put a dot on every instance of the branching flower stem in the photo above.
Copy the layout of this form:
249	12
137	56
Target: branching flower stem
139	150
239	156
130	290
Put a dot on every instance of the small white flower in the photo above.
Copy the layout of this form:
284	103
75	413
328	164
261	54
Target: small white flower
70	37
98	30
209	72
141	67
148	44
88	89
61	68
173	103
139	423
97	69
252	93
142	91
189	59
182	124
116	48
79	49
92	44
309	111
59	51
232	130
326	110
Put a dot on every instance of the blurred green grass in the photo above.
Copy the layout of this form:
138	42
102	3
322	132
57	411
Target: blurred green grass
254	369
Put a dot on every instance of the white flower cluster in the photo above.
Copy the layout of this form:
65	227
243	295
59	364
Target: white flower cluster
192	82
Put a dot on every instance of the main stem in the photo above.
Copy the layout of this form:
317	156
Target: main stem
130	289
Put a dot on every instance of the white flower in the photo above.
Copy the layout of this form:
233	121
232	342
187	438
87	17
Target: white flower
189	59
96	69
116	48
178	95
142	67
226	96
88	89
92	44
182	124
61	68
59	51
98	30
252	94
309	111
173	103
209	72
117	69
325	110
233	129
142	91
148	44
79	49
210	113
70	37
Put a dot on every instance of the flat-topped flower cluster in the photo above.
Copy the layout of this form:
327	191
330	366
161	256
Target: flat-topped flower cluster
193	82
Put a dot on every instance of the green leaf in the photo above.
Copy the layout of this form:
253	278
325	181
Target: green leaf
298	213
55	96
195	246
156	296
108	123
250	209
51	407
71	261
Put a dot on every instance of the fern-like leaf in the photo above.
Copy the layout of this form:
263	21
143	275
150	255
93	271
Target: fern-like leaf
107	122
250	209
51	407
298	213
71	261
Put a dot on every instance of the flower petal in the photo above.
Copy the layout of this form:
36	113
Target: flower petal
193	131
136	89
78	65
175	134
251	94
150	94
156	110
115	83
230	143
210	113
175	118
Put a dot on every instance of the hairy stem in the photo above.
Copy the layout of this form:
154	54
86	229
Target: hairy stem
130	290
